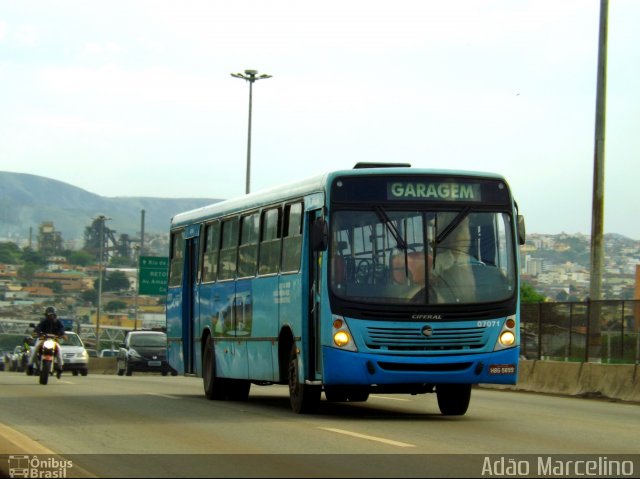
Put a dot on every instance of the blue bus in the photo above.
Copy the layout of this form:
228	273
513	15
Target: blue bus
383	278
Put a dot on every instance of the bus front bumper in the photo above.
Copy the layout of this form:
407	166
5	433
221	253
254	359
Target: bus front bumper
352	368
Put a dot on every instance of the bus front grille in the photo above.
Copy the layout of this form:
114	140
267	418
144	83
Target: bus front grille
441	339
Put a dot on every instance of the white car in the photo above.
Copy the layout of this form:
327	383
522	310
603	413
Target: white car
74	354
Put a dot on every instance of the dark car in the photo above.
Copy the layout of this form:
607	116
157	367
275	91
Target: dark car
144	351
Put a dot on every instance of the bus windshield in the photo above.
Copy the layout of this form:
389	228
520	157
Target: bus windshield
395	256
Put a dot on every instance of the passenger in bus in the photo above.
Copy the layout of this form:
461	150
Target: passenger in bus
411	271
453	265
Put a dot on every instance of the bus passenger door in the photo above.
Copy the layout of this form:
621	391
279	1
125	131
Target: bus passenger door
189	298
317	228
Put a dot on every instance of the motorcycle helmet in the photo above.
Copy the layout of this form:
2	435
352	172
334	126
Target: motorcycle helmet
50	311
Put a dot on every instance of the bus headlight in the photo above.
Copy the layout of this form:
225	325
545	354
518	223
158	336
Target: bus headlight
342	337
507	339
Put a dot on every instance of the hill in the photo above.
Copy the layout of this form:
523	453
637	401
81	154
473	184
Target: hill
28	200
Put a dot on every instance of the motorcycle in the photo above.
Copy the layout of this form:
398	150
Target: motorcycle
46	358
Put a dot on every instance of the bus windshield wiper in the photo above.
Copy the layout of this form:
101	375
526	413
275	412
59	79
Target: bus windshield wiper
382	214
453	224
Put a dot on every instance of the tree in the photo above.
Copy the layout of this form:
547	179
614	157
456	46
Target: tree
34	257
9	253
114	281
115	305
27	272
122	262
55	286
90	296
80	258
528	294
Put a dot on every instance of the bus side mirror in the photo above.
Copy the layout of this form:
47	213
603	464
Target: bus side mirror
521	230
319	235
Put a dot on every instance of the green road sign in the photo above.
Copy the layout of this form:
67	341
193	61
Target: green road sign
152	276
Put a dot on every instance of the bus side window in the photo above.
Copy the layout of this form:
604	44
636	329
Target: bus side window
270	241
229	249
210	252
292	240
248	251
177	258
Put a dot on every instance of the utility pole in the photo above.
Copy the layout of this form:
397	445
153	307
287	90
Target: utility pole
141	233
597	221
102	219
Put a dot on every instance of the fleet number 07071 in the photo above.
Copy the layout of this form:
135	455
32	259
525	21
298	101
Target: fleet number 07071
489	323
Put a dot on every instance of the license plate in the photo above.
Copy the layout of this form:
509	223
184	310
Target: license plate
154	363
502	369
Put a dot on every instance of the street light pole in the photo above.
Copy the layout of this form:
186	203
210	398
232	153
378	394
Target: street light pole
597	208
251	76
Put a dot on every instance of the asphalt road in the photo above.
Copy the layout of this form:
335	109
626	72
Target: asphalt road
154	426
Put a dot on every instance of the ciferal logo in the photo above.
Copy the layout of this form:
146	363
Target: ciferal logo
427	331
427	317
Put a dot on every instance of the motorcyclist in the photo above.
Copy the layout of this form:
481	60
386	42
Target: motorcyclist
49	325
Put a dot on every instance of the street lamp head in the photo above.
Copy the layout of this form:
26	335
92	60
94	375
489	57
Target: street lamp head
250	75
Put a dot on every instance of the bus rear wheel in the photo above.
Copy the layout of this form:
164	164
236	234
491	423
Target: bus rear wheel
213	386
304	398
239	389
453	399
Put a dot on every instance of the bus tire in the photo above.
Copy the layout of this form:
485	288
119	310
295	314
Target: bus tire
213	387
453	399
304	398
239	389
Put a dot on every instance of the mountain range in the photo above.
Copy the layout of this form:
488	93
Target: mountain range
26	201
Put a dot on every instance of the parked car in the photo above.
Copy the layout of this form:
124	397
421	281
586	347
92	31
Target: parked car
92	353
4	359
74	354
18	359
144	351
108	353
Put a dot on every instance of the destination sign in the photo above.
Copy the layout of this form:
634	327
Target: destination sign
420	188
412	190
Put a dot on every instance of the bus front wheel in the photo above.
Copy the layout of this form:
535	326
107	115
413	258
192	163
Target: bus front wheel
304	398
453	399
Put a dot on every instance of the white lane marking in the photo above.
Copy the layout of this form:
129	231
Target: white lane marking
368	438
389	398
162	395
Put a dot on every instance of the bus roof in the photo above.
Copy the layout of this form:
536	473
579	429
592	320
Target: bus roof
300	188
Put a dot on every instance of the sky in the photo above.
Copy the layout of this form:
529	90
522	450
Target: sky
136	98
